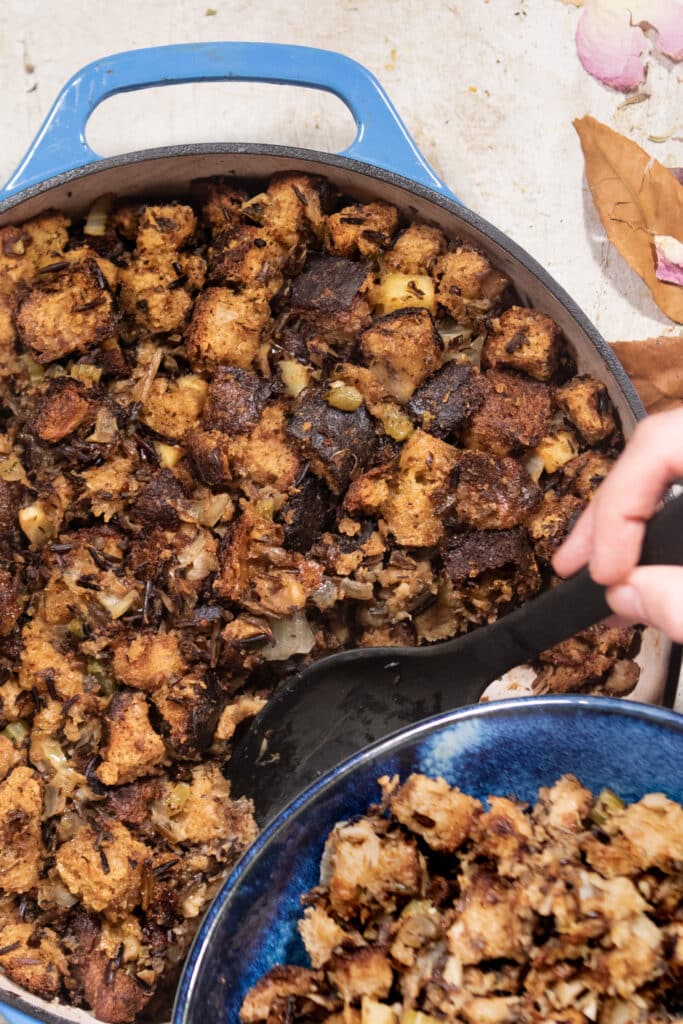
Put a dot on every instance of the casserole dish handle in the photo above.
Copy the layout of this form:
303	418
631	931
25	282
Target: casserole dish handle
382	139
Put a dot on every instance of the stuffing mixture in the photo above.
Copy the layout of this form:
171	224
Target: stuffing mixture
435	908
238	433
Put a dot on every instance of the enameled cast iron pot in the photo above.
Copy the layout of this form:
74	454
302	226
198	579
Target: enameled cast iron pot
61	171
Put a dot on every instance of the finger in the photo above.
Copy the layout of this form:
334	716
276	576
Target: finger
576	550
652	594
631	492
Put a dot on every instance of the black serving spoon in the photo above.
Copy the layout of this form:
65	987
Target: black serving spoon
344	702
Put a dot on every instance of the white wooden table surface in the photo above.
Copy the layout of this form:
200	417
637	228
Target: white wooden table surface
487	87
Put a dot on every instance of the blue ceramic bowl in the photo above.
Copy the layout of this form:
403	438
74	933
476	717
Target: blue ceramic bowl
507	747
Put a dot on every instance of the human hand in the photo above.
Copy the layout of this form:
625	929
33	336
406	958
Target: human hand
609	534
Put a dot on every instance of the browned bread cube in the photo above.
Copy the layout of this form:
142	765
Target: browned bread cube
514	415
61	409
402	349
235	400
523	339
470	288
447	399
490	492
225	329
586	403
416	250
552	521
363	229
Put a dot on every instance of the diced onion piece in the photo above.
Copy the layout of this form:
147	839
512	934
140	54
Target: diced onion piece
198	558
197	386
294	376
372	1012
169	454
35	371
177	797
86	373
534	466
12	468
396	423
16	732
343	396
115	605
403	291
35	522
106	427
210	510
46	753
292	635
556	450
96	221
607	804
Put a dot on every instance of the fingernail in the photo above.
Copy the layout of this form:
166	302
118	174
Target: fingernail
627	602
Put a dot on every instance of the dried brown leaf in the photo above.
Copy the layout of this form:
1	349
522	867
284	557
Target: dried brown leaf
656	368
636	198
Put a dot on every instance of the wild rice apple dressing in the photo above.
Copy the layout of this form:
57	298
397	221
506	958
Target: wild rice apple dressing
433	907
236	435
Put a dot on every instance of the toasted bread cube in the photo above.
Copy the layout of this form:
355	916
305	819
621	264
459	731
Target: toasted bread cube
61	410
363	229
148	660
68	311
552	522
295	208
425	468
133	748
587	404
447	399
165	227
335	443
159	502
221	203
34	958
235	400
585	473
402	349
21	844
492	493
173	407
266	456
469	554
105	872
276	988
209	455
328	298
441	814
246	257
515	414
189	711
470	288
360	973
416	250
225	329
584	658
523	339
155	293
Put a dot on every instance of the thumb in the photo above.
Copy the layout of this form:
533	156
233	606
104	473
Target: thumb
651	594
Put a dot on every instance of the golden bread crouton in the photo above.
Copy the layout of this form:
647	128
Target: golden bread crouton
61	409
173	407
585	473
110	991
236	712
265	457
133	748
441	814
367	868
363	229
37	243
165	227
221	202
470	287
369	493
402	349
565	805
109	270
361	972
189	711
584	658
514	414
523	339
416	250
208	815
42	659
392	634
105	485
104	869
226	328
148	660
586	403
34	958
155	287
505	834
278	986
552	521
492	493
489	923
21	842
244	258
295	207
424	472
321	935
68	311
